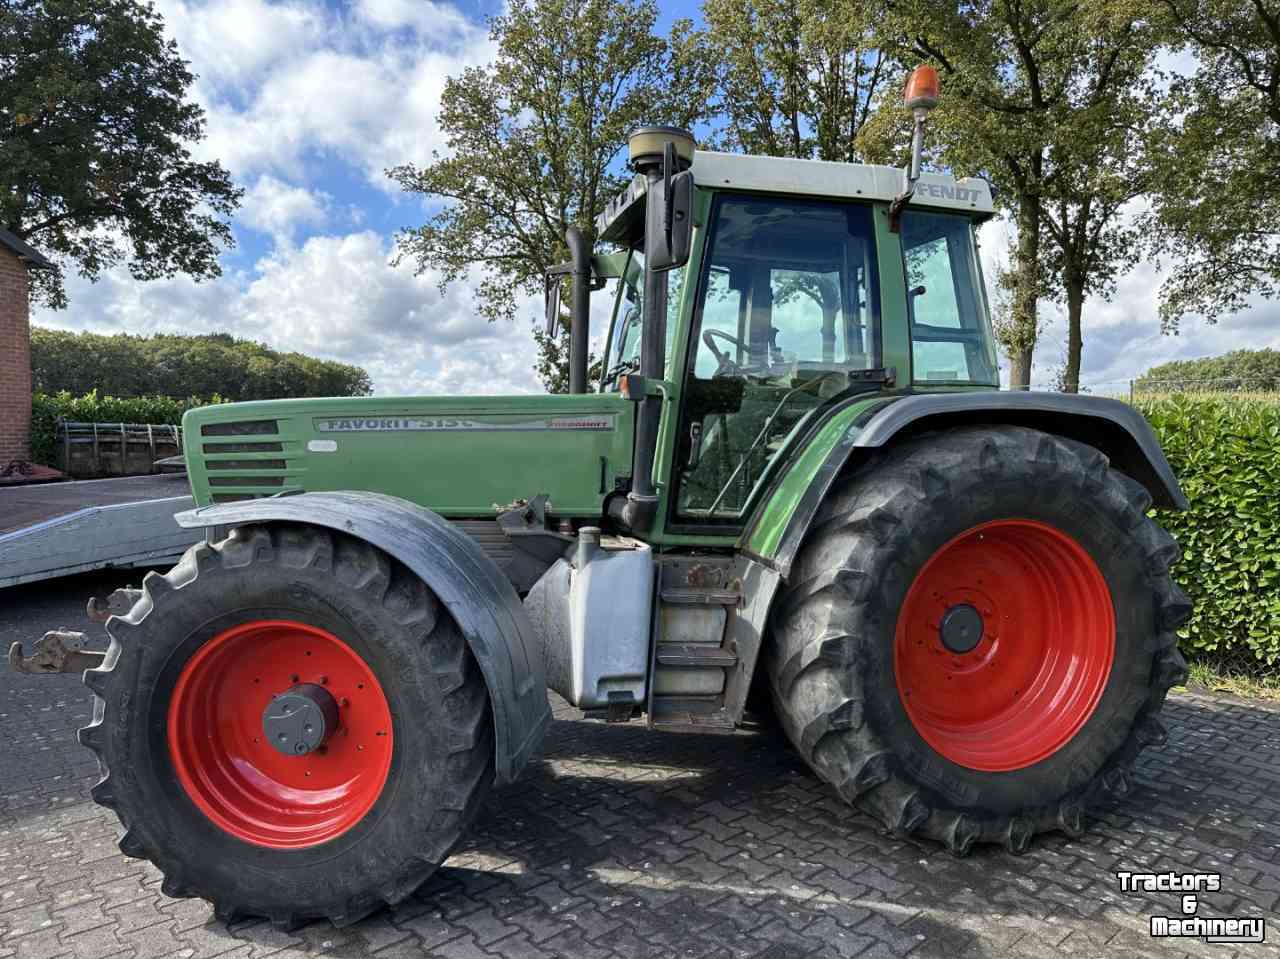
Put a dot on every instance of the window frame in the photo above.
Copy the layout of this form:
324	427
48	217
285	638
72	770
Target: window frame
678	523
619	313
982	331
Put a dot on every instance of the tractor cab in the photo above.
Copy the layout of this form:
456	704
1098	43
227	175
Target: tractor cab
779	289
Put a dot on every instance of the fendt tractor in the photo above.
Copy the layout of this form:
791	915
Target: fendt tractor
798	481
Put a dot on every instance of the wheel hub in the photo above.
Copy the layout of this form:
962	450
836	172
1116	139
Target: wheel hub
961	628
299	720
1004	644
280	733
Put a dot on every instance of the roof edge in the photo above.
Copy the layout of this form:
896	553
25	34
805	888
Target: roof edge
19	247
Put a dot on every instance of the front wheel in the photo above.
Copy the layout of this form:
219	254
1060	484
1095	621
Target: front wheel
978	635
289	724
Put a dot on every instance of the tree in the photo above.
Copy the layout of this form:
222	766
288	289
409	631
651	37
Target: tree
535	139
179	366
797	78
1100	162
1247	370
1021	81
95	129
1216	213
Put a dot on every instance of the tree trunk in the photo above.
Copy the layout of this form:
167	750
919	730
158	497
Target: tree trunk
1075	342
1020	369
1022	336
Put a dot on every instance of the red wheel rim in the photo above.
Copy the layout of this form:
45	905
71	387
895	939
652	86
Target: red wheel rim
230	771
1045	653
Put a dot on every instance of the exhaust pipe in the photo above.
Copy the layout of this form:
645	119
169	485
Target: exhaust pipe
579	308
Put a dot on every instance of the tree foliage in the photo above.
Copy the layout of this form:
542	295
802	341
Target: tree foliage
1030	91
1100	161
1248	370
1217	209
47	410
536	139
95	130
171	365
797	78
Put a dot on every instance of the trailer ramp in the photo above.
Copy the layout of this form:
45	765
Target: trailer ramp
63	528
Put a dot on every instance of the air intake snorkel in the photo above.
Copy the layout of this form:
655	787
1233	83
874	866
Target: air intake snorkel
661	155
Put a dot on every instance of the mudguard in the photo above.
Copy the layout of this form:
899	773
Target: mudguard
475	592
1115	428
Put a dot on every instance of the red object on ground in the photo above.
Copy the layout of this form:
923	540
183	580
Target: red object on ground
19	473
235	777
1047	645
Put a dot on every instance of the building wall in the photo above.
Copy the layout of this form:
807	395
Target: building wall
15	359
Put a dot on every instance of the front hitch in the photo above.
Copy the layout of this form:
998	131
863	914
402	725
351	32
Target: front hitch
57	651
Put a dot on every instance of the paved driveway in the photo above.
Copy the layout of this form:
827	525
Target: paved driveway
622	842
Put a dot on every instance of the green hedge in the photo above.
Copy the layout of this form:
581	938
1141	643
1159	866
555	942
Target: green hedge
1226	453
47	409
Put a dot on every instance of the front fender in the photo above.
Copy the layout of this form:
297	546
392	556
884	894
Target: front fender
468	583
867	423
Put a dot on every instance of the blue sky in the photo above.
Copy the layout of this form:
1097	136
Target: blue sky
309	102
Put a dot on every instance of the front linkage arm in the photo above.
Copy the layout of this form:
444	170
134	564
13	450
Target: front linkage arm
62	650
57	651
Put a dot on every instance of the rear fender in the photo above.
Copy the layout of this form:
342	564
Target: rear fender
468	583
1115	428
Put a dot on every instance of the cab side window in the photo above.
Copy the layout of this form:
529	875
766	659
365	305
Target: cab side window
950	334
787	307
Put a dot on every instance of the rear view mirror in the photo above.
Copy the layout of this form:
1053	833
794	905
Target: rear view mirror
669	221
551	297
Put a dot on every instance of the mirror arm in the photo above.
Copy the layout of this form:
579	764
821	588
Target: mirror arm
668	166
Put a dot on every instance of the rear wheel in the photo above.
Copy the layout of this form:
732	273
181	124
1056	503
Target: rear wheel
289	724
979	635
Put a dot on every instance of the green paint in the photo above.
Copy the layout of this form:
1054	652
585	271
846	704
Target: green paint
777	513
461	456
895	332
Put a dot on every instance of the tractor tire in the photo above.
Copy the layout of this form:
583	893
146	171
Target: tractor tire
978	636
339	825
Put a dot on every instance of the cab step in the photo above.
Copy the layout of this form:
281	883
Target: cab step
702	597
692	714
684	655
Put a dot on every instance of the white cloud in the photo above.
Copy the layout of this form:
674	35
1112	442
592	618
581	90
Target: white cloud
278	209
336	297
288	86
1122	337
229	42
422	16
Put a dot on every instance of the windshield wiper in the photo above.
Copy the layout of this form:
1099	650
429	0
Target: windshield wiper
764	432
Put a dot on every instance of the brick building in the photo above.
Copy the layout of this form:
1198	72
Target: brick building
17	259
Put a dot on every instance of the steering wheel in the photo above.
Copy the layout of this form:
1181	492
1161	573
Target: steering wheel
725	366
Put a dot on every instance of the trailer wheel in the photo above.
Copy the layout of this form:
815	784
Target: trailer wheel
289	724
978	636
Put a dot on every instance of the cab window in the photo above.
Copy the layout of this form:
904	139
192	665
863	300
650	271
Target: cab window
951	338
623	354
787	306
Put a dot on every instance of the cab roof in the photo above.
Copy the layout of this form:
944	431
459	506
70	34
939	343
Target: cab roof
823	178
812	178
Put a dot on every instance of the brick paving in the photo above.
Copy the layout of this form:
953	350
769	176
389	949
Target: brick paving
620	842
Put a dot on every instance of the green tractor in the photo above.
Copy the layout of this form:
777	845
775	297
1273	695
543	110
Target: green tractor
798	482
